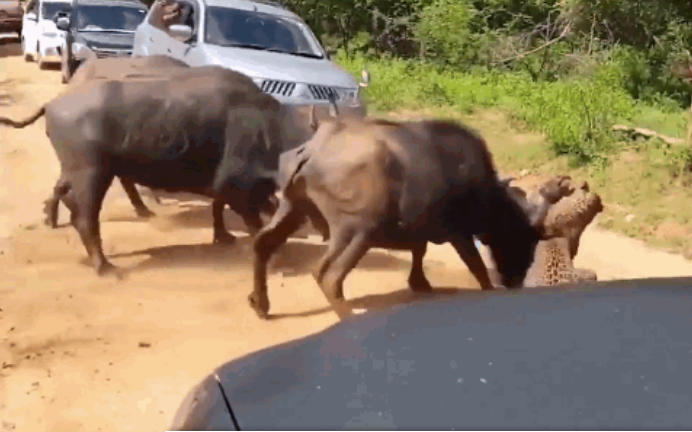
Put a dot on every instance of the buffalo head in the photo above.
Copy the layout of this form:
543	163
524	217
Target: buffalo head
537	203
510	241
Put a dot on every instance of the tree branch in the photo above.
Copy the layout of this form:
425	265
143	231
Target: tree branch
545	45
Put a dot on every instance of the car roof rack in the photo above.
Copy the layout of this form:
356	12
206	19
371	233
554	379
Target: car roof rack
113	1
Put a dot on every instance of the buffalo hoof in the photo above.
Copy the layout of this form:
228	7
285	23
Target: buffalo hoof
260	303
224	238
50	222
420	285
341	308
108	269
145	213
253	230
51	219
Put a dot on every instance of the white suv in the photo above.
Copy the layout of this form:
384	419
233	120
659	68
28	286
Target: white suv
258	38
41	39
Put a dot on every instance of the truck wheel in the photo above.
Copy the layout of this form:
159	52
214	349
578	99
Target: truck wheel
39	59
27	56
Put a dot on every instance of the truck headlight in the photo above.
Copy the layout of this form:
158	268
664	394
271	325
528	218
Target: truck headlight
81	51
349	96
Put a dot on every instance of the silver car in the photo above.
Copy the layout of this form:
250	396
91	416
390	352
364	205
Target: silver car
261	39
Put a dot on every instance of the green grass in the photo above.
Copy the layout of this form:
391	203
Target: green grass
575	114
563	127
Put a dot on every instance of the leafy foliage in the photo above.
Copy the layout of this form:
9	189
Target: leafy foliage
571	68
576	114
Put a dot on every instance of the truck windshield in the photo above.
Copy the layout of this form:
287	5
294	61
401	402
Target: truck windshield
51	9
109	18
259	31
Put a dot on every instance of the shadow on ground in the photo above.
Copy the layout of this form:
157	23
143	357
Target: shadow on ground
10	47
53	66
201	217
292	258
374	302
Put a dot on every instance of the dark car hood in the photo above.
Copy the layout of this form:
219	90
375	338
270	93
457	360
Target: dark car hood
108	40
604	355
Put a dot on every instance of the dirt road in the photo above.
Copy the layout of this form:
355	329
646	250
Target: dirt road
80	353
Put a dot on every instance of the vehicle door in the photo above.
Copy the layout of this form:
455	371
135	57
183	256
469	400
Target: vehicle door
158	36
144	38
29	25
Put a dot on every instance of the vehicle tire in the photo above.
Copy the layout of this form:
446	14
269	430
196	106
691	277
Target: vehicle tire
39	58
27	57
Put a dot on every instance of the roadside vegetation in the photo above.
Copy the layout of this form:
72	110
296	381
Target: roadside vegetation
563	72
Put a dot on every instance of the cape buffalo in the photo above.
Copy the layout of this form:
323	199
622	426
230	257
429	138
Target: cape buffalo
128	69
198	130
374	183
155	66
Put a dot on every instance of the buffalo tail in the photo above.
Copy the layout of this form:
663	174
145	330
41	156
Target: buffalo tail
23	123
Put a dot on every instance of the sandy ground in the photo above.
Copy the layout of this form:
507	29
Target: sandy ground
81	353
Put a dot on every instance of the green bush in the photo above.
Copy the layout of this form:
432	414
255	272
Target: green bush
577	114
443	30
649	75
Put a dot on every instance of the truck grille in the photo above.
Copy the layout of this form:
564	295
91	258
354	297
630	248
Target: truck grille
278	87
323	92
101	53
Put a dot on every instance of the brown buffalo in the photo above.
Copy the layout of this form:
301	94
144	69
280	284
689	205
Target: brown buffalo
157	67
199	130
373	183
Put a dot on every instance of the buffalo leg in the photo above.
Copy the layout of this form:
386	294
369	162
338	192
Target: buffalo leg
221	235
416	279
136	199
472	258
157	200
251	215
253	221
285	222
336	246
88	188
338	265
51	205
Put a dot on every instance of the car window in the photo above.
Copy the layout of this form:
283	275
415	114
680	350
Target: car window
255	30
50	10
105	17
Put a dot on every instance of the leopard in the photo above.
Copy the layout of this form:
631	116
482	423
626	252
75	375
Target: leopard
553	262
553	265
572	208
